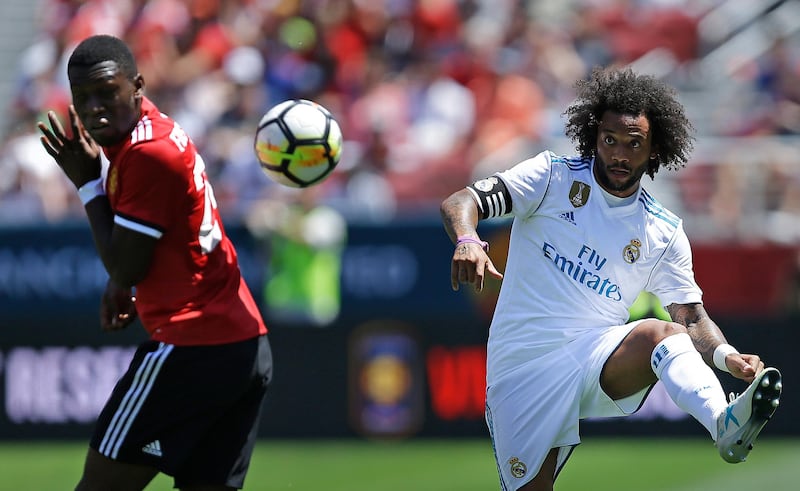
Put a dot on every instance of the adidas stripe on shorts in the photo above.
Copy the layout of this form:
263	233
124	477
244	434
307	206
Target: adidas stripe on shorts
190	411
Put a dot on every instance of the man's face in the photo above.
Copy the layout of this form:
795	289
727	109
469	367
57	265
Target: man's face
624	149
107	102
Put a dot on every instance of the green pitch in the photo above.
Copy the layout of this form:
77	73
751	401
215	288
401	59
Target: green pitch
444	465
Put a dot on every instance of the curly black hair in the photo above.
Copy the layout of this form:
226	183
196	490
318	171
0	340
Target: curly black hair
625	92
100	48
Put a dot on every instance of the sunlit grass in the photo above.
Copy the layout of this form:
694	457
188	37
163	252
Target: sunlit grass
623	464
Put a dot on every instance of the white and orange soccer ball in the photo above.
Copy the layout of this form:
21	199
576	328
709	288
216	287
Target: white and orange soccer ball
298	143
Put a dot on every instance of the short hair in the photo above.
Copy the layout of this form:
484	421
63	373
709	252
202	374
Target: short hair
625	92
102	47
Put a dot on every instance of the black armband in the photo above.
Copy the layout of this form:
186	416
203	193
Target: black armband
492	197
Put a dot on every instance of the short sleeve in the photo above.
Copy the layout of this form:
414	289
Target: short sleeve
527	183
673	277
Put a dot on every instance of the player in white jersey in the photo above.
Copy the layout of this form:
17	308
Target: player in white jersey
586	239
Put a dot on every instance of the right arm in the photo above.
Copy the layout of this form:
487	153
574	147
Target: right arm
470	262
460	215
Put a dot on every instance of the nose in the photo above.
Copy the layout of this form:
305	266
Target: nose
620	156
93	105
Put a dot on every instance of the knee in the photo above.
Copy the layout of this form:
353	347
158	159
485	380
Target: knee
657	330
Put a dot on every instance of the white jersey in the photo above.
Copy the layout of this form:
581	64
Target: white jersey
575	263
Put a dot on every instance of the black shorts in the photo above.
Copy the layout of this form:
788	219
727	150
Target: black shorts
192	412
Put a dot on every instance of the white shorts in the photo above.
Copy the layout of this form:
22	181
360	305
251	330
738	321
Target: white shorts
538	406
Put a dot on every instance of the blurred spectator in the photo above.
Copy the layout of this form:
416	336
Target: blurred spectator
778	74
33	188
303	240
362	191
427	92
633	30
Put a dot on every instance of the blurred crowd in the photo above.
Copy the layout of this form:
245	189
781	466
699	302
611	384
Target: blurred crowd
429	93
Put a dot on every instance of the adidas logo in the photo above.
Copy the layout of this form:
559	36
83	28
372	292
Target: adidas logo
153	448
659	355
568	216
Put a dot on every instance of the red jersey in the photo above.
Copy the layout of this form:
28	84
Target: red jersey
194	293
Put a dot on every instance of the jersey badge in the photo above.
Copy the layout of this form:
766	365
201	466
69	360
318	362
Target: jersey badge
568	216
518	468
632	251
113	181
485	185
579	193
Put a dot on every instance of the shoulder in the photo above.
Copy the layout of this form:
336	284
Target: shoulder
157	137
657	212
547	167
568	169
153	157
569	162
548	160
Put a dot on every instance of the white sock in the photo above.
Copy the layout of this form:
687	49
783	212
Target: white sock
692	385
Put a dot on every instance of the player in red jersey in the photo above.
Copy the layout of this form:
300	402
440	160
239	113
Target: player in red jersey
189	404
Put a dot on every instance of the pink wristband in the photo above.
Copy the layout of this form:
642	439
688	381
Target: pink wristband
473	240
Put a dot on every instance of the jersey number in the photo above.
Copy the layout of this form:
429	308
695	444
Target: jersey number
210	231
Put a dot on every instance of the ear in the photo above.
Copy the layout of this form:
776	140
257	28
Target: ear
138	82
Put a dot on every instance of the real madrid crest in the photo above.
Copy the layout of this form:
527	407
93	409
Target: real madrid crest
632	251
518	468
579	193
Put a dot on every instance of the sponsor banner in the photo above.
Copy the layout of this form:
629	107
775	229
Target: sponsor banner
378	378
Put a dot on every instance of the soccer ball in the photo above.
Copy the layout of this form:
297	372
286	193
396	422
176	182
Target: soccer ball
298	143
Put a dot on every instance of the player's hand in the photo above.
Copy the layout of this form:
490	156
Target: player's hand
470	264
77	154
744	366
117	307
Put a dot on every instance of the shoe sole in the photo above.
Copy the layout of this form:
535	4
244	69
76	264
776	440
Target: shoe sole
765	401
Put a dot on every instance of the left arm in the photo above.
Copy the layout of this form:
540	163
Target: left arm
706	336
126	254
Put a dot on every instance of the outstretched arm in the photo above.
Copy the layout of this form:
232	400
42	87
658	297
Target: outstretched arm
707	336
470	261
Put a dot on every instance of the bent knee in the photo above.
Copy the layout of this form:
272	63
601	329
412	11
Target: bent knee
656	330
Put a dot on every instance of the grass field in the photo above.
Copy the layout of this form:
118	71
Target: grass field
448	465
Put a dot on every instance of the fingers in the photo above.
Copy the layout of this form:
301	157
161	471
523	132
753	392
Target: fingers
52	139
48	147
454	269
120	321
79	131
55	123
478	278
469	269
493	271
117	311
117	322
745	366
75	123
462	271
